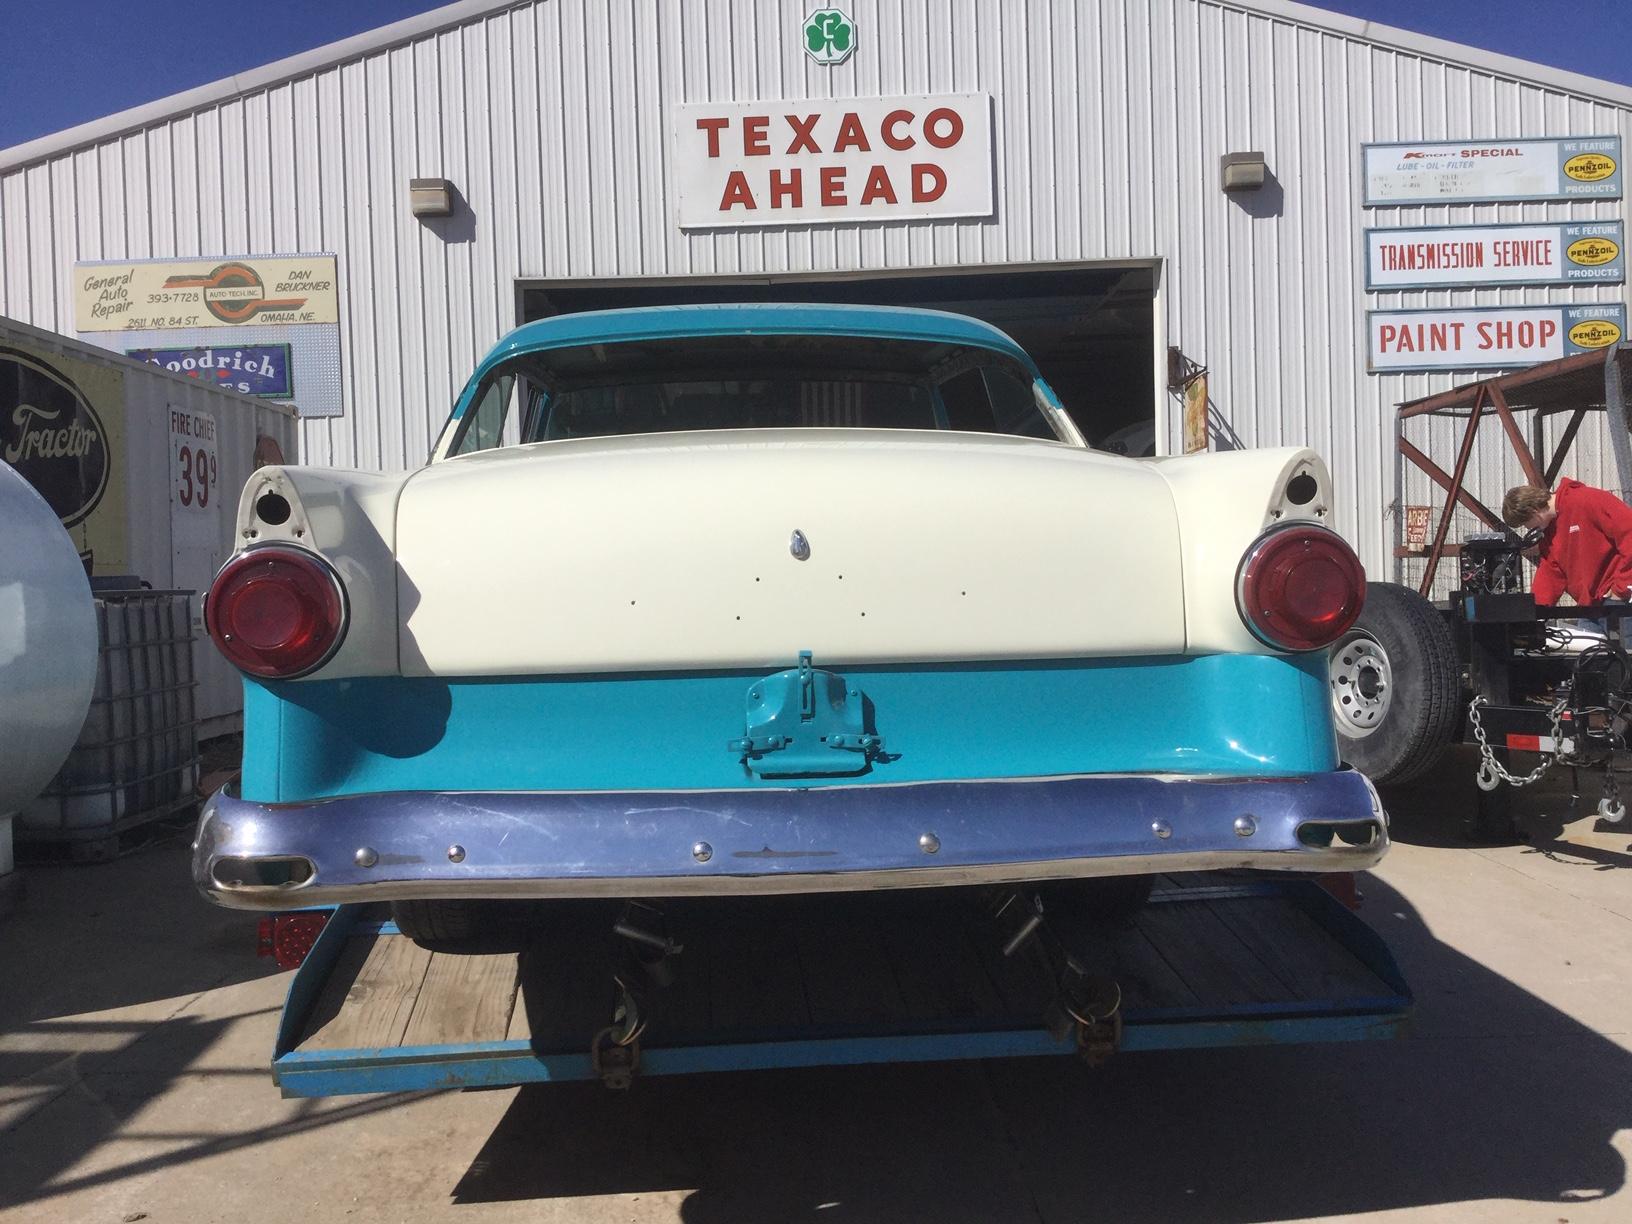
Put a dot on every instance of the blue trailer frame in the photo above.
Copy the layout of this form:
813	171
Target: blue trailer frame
497	1063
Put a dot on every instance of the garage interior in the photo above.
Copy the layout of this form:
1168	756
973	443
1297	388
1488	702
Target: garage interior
1089	328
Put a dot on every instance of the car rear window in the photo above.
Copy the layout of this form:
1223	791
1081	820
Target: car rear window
750	382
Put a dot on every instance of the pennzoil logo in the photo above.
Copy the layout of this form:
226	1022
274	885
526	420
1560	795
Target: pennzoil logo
1594	333
1589	167
1590	252
233	293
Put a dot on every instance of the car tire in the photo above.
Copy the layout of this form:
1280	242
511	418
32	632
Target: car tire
1102	898
1396	686
463	926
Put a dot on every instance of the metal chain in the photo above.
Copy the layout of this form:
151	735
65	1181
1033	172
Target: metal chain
1491	772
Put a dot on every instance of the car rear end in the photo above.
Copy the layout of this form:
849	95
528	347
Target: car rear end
791	658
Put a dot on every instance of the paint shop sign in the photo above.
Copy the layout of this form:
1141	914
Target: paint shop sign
1489	339
805	162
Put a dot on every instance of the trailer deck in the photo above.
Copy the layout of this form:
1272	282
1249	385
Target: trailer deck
828	980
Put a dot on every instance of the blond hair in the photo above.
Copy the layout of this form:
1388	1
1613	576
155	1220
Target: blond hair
1522	503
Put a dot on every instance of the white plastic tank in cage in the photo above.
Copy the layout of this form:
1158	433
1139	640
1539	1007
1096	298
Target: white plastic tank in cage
48	651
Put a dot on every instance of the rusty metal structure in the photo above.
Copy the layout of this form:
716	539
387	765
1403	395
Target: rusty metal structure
1578	385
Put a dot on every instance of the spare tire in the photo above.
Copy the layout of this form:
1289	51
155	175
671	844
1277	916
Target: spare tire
1396	686
464	926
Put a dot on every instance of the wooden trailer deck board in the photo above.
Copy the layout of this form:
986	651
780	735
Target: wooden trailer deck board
759	969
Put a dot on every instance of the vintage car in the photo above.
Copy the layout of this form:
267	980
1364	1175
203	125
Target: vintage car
752	599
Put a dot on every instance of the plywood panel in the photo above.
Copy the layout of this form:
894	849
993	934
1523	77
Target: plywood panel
371	995
463	999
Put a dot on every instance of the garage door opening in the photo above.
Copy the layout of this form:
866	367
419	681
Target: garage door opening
1091	330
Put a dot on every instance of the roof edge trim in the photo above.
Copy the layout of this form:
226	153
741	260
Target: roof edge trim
462	12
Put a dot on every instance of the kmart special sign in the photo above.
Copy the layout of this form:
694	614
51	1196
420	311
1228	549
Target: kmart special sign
164	295
816	161
1490	338
1465	171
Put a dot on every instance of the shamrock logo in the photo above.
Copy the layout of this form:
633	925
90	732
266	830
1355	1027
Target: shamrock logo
830	36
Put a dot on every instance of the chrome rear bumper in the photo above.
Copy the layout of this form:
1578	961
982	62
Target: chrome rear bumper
552	844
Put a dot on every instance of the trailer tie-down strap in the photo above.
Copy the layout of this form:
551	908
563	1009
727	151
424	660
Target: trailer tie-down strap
1083	1005
648	955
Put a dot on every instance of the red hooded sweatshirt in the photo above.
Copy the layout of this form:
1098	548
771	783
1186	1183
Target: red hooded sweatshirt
1587	550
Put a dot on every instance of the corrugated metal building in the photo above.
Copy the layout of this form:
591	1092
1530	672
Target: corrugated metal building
1109	239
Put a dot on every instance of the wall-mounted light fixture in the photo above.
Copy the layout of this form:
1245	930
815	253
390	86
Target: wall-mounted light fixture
430	197
1242	171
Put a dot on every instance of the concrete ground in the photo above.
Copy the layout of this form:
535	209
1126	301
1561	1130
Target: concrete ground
136	1024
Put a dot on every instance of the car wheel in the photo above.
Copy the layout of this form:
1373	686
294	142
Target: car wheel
1396	686
1106	898
463	926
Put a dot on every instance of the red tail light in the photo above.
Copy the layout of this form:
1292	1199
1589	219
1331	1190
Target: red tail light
285	939
276	612
1300	587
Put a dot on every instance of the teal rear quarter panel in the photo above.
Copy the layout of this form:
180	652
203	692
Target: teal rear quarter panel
1229	715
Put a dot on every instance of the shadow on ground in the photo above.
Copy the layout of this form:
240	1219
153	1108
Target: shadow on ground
92	937
1427	812
1525	1109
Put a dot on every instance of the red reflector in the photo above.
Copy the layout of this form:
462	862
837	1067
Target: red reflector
287	938
1524	743
1300	587
276	612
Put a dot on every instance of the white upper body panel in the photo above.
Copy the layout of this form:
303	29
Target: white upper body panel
667	552
672	551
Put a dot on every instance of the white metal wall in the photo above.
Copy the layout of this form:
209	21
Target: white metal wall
550	117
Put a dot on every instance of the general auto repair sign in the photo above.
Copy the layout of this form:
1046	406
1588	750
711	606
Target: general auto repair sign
1586	254
168	295
1465	171
1489	339
815	161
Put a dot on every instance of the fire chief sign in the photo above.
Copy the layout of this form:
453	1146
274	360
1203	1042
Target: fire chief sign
811	162
1492	338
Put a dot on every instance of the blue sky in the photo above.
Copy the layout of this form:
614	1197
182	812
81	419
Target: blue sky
69	61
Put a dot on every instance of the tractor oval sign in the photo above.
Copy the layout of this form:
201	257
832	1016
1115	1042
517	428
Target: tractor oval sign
52	436
830	36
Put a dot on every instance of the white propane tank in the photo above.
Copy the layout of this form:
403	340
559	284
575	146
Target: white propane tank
48	649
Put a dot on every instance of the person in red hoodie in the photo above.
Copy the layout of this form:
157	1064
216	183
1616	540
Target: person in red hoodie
1586	543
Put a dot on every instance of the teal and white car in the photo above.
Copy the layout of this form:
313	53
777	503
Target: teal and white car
753	599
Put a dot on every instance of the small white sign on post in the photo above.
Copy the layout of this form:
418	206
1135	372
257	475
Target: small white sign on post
195	495
1490	338
816	161
1464	171
193	466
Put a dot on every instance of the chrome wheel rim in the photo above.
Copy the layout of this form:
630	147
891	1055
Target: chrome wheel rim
1362	684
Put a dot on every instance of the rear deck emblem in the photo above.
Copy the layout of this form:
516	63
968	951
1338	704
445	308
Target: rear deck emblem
799	546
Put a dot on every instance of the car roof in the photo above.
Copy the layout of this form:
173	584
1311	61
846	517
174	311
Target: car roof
755	318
